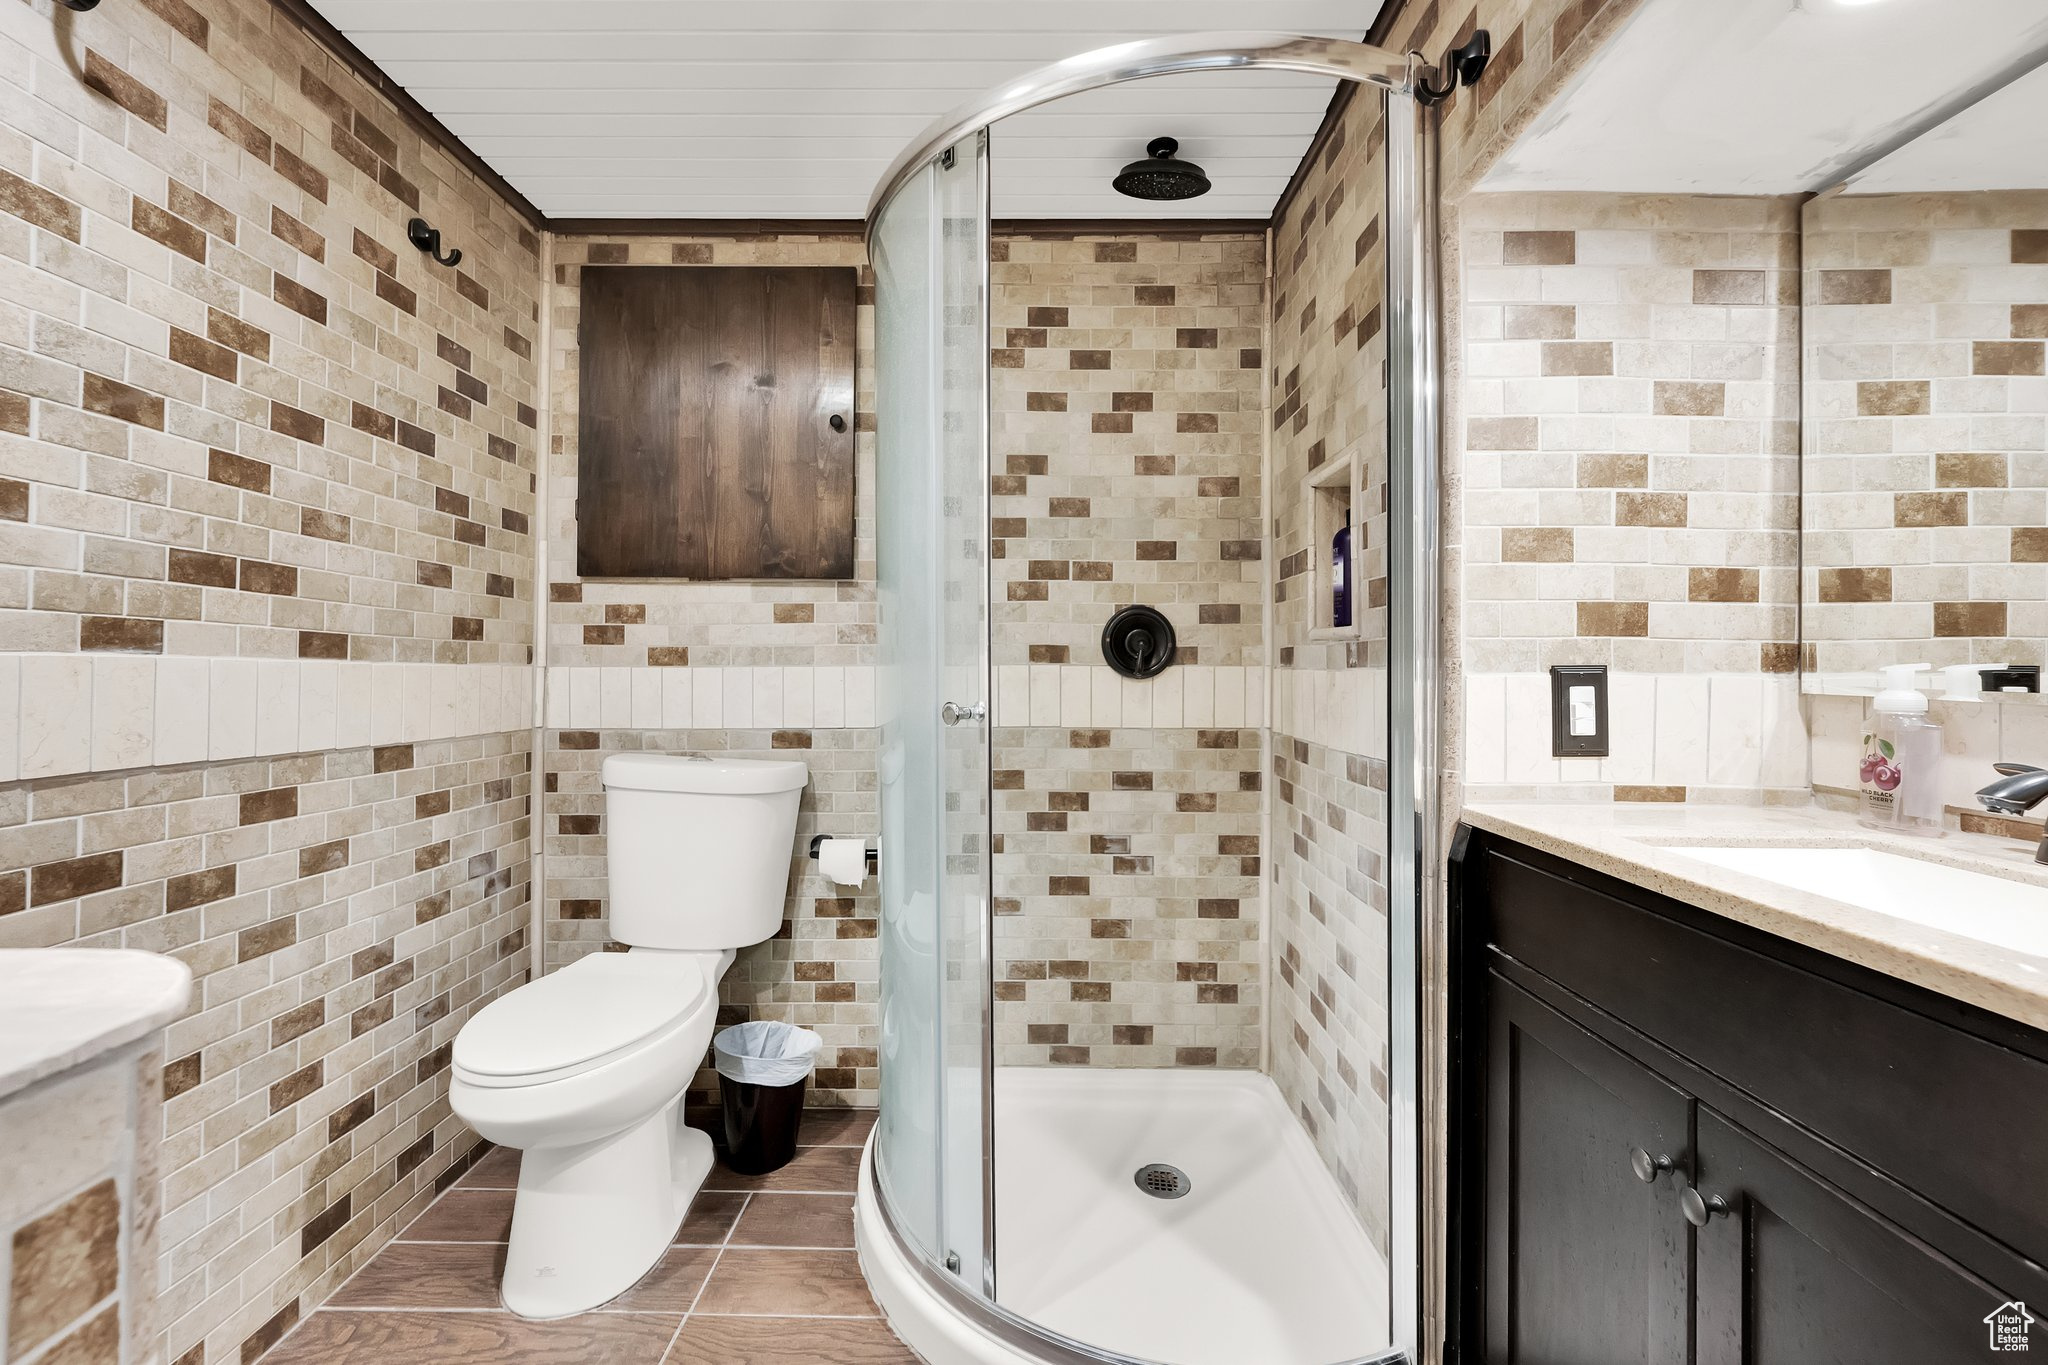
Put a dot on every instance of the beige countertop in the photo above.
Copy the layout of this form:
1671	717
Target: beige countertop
1646	845
62	1007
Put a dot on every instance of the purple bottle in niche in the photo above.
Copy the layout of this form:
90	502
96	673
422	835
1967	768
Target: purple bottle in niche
1340	575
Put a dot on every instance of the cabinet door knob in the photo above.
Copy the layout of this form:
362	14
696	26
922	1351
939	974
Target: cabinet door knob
1700	1209
1647	1167
838	422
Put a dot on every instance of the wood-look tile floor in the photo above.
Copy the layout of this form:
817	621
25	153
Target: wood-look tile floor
762	1273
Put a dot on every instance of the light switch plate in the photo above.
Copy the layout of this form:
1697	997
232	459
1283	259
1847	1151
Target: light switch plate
1578	710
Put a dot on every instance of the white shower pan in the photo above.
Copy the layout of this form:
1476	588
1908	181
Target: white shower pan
1260	1260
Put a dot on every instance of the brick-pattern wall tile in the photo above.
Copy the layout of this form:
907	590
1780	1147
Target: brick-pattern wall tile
1326	838
223	437
1126	876
80	1205
1126	409
222	429
1926	499
1329	1017
1643	511
344	913
674	623
1127	415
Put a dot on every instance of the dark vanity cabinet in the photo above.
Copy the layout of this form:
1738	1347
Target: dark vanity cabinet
1677	1139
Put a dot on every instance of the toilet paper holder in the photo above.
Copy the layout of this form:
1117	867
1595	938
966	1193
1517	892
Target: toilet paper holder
817	839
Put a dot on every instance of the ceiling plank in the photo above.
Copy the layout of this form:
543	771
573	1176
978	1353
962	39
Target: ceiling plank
793	108
416	115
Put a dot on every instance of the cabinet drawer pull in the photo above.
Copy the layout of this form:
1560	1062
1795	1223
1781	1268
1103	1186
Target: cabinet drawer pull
1700	1209
1647	1167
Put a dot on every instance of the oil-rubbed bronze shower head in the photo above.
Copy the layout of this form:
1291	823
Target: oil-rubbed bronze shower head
1159	176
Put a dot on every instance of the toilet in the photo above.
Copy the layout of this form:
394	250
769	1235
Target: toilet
584	1069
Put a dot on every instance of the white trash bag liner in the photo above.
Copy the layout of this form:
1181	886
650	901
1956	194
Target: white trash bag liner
765	1052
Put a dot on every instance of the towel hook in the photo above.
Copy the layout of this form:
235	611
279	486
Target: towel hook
428	239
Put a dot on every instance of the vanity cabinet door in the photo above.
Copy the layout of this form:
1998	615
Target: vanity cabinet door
1586	1261
1793	1271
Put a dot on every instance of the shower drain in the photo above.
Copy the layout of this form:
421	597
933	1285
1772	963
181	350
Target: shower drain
1162	1181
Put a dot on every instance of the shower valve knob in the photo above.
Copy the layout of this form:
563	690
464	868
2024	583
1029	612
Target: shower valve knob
953	712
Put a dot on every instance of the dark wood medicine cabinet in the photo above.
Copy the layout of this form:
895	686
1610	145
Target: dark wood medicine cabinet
715	422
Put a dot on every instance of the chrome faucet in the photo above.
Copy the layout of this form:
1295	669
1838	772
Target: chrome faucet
2018	790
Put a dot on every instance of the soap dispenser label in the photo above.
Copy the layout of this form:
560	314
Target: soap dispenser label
1881	773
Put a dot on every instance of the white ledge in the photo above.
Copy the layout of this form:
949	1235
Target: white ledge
63	1007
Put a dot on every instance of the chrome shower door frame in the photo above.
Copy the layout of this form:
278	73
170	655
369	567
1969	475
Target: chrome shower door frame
1414	687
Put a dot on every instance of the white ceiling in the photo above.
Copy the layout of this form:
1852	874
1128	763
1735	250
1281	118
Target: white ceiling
793	108
1999	143
1767	96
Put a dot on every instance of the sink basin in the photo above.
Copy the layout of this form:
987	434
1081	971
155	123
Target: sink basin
1993	910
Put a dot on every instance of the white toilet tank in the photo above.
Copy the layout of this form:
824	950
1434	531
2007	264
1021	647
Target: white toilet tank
697	849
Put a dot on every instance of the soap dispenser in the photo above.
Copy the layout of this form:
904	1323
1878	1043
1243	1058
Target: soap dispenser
1962	682
1901	772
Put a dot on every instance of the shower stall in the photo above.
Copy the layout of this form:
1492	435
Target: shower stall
1184	1131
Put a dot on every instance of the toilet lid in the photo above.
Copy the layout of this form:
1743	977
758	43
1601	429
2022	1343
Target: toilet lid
596	1006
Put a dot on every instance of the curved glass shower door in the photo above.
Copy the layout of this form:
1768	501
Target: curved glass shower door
930	253
1180	911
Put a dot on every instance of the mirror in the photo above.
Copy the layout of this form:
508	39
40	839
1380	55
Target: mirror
1925	423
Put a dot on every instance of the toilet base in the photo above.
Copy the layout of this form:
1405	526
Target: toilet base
590	1220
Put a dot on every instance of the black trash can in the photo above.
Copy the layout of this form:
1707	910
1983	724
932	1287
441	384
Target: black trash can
763	1069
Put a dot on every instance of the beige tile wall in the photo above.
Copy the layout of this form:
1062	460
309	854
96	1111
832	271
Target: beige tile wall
1630	479
1128	919
1126	405
344	913
1127	402
266	580
640	624
749	668
242	416
1926	511
1127	445
1329	394
1327	1027
1329	1047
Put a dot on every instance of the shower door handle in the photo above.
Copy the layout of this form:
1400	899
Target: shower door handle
953	712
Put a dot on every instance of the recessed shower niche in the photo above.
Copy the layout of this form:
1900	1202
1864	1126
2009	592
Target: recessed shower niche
1336	599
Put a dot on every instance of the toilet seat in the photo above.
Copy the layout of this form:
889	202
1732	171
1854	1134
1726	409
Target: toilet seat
590	1013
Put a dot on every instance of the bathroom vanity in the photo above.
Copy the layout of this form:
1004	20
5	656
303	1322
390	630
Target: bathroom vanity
1702	1113
81	1127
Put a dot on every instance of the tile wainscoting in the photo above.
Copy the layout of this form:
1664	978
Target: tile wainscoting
693	698
1673	737
1191	696
62	714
